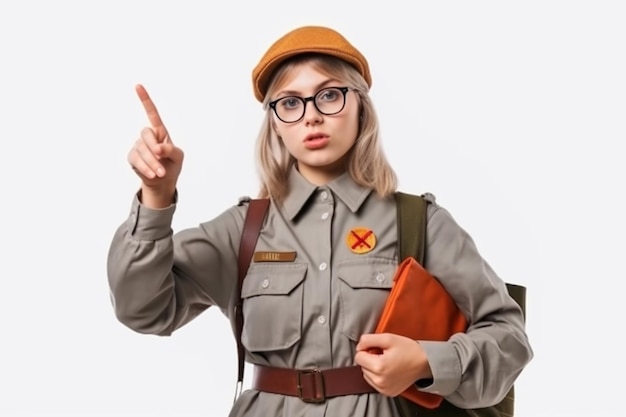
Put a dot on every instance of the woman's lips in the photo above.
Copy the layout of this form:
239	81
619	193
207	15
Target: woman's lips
316	141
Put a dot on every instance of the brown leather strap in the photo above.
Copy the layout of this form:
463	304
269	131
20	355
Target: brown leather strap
311	385
251	229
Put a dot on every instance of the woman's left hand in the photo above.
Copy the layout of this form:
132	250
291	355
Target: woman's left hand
391	363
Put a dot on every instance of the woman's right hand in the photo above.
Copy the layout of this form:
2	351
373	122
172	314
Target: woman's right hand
154	158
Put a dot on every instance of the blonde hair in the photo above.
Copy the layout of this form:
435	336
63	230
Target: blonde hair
367	164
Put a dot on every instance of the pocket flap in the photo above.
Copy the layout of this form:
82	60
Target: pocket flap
368	273
272	279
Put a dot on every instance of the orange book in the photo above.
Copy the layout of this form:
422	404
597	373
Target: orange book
420	308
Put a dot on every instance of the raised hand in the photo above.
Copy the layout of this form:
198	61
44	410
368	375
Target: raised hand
155	159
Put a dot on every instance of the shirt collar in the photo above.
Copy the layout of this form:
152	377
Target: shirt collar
300	190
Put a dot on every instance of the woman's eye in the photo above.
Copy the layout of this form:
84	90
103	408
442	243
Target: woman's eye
290	102
328	95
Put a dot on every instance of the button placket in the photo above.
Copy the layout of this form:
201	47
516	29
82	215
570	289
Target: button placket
319	312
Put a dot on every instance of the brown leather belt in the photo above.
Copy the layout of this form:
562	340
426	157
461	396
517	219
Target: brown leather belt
311	385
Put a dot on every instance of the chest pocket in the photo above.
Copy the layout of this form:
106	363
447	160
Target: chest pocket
272	306
364	286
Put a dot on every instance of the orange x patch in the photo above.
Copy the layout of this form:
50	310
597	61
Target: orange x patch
361	240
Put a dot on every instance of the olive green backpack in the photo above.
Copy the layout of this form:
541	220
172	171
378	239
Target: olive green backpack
411	211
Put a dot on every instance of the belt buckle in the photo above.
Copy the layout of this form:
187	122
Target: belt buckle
318	385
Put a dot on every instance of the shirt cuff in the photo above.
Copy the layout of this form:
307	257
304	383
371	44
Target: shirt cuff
150	224
445	366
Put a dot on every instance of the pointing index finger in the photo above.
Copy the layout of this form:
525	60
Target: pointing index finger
150	108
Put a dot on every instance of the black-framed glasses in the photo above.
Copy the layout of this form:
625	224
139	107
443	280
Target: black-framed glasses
328	101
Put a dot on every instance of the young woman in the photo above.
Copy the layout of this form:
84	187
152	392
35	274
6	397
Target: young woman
325	257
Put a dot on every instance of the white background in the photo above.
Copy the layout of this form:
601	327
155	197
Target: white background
511	113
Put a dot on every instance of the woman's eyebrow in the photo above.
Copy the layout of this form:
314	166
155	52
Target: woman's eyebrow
298	93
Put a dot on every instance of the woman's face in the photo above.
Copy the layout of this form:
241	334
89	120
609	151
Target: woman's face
319	142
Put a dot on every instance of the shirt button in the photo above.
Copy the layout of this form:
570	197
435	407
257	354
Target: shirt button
380	277
325	216
324	195
265	283
321	320
323	266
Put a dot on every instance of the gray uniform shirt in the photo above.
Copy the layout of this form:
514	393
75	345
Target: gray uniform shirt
308	312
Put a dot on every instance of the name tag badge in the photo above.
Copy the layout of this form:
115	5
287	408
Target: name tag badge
274	256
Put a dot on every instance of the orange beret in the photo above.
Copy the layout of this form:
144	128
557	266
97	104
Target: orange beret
306	39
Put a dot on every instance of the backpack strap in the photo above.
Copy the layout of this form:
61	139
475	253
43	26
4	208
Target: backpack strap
257	209
411	224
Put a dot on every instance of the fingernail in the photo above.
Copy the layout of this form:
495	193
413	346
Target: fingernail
160	172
